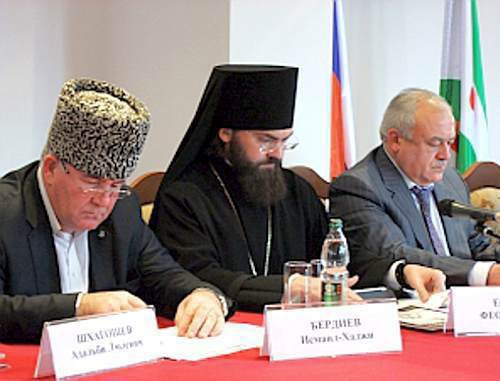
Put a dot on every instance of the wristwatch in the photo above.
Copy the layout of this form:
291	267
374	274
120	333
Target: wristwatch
400	275
223	303
222	299
78	301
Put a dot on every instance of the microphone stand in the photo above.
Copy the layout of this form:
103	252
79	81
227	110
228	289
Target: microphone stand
482	228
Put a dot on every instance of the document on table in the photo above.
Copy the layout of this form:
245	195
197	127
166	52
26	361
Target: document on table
430	316
235	337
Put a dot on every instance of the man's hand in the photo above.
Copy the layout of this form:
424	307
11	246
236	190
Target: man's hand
199	315
351	294
105	302
494	276
425	280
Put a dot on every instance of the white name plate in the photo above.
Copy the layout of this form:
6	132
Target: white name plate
77	346
474	311
331	330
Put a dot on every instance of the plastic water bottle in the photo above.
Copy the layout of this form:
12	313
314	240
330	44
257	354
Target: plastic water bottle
335	255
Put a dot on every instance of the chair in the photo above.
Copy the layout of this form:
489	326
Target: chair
483	180
145	187
482	174
320	185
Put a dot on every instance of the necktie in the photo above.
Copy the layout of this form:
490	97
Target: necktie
423	198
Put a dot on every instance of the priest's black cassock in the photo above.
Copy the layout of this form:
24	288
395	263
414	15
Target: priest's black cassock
202	232
200	213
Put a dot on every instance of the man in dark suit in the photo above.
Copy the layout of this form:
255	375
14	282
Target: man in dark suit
388	201
72	243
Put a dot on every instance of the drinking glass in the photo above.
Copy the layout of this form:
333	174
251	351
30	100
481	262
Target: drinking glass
296	278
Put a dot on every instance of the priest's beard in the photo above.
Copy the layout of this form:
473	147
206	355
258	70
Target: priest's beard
261	187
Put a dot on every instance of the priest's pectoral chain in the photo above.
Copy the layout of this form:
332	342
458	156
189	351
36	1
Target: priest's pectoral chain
240	224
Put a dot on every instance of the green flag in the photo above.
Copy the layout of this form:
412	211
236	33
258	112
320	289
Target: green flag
462	81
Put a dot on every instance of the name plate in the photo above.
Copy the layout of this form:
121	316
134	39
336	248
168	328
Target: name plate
331	330
77	346
474	311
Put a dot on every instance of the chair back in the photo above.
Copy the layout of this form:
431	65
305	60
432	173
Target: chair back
320	185
483	180
482	174
145	187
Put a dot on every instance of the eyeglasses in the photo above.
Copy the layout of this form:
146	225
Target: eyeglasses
268	144
91	190
118	192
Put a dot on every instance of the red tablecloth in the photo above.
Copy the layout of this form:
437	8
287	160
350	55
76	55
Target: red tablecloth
425	356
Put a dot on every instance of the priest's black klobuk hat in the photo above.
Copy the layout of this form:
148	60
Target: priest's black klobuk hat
241	97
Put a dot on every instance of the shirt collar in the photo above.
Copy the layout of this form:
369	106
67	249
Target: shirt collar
54	222
409	183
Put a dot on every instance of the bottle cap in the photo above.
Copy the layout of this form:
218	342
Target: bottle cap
335	223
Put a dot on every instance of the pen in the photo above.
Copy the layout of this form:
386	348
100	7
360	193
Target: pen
411	292
371	289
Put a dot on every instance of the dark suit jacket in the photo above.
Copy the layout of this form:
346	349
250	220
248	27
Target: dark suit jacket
128	256
383	224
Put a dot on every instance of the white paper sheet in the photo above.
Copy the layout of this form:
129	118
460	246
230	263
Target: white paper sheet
429	316
235	337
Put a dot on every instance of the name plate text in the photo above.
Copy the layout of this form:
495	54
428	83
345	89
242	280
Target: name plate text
331	330
475	311
77	346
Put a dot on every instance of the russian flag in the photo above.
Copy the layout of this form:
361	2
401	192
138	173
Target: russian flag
342	149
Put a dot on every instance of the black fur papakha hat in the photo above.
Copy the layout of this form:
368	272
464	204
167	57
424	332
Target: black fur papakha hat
98	128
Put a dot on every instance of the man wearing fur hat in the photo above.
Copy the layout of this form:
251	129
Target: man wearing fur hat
72	241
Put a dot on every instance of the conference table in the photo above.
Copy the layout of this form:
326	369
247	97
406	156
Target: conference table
425	356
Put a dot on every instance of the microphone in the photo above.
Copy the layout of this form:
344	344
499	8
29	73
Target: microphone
452	208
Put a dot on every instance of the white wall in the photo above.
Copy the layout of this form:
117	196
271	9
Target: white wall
32	67
392	44
295	33
163	51
395	44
